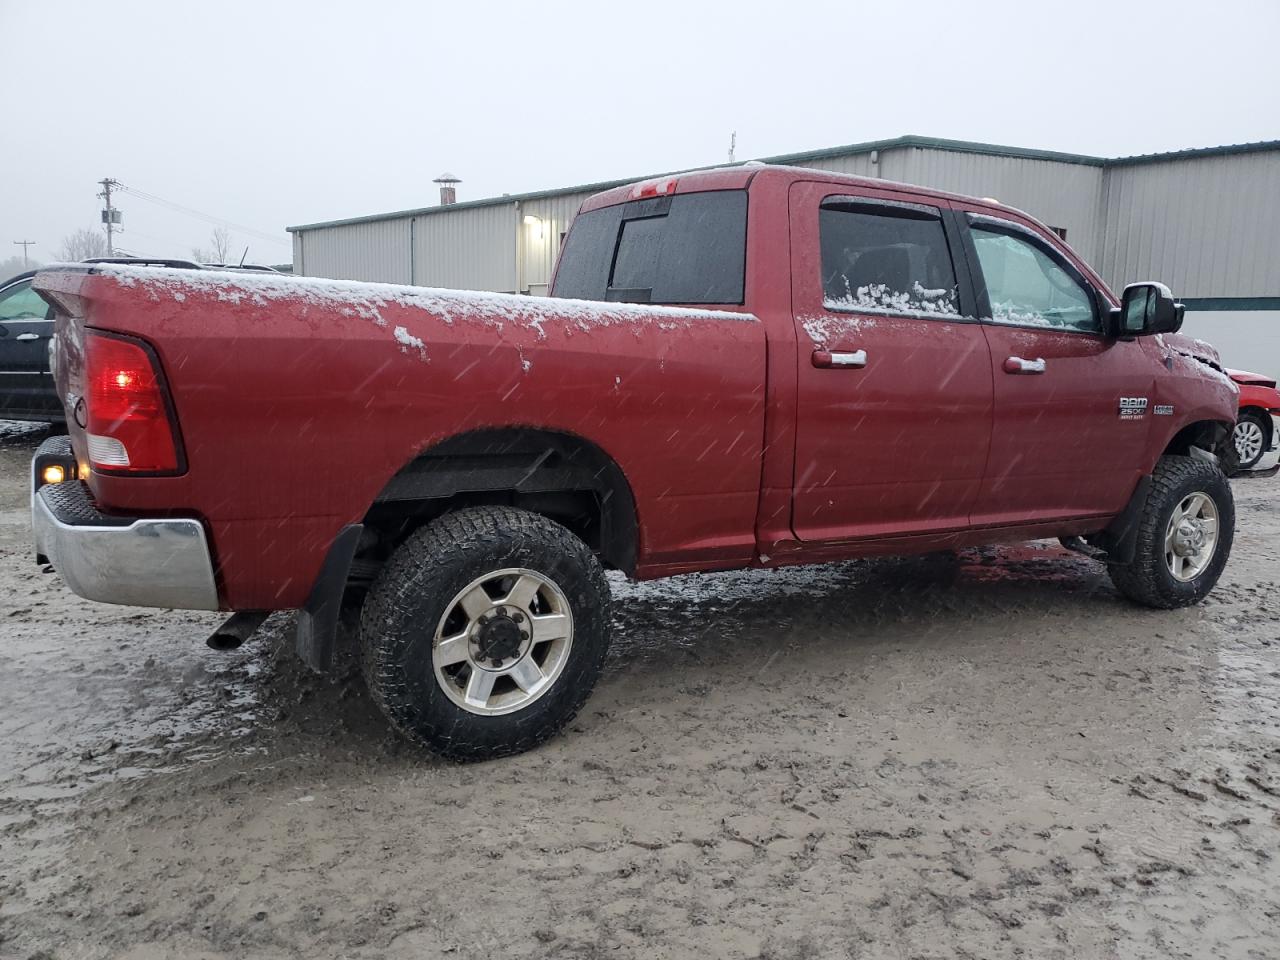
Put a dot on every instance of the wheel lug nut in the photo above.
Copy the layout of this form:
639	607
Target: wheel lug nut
518	617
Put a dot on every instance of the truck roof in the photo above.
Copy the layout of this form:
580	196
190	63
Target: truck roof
741	177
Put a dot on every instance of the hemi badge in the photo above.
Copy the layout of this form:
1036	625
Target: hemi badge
1163	410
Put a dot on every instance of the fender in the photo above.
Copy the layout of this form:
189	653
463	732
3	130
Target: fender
1203	427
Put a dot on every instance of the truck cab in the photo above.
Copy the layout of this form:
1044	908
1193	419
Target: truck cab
941	367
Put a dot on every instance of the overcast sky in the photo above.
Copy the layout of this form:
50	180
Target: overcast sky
274	113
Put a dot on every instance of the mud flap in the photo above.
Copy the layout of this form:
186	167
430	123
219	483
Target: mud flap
318	618
1120	539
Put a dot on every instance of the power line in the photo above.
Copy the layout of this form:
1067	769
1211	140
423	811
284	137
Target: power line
207	217
24	244
110	216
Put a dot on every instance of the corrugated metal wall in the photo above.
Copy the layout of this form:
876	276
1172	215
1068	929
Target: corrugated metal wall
1204	225
1058	194
1061	194
1207	226
374	250
855	165
468	249
540	241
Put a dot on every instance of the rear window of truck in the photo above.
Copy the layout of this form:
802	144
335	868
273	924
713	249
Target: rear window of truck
687	248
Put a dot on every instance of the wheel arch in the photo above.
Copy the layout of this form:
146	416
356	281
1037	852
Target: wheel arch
1213	436
1263	414
560	475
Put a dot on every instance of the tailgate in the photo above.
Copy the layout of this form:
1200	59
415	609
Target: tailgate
66	289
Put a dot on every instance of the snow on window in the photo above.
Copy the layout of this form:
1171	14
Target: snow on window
886	260
881	298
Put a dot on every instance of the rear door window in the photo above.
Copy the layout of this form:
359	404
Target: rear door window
687	248
886	257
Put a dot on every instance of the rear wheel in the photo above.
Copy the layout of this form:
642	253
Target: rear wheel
1184	536
485	632
1250	439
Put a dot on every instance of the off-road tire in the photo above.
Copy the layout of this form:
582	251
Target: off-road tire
408	599
1148	580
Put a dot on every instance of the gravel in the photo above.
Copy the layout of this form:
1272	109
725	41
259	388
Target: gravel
988	754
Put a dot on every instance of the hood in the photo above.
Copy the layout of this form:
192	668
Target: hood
1254	379
1192	347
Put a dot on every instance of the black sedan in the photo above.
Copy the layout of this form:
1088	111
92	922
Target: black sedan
26	326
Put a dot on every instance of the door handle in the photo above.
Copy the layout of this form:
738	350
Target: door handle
836	358
27	336
1018	365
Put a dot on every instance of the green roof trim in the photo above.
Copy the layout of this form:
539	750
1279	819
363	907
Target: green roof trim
793	159
938	143
1258	146
1231	304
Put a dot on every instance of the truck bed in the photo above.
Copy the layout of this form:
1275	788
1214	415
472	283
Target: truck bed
298	400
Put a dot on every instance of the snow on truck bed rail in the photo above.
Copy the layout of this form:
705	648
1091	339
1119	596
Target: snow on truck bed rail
367	300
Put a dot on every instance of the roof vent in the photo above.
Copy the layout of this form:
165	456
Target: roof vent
448	190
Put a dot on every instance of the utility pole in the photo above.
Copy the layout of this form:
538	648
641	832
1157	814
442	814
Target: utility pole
733	145
110	216
24	244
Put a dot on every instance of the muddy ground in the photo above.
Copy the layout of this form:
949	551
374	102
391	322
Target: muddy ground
986	756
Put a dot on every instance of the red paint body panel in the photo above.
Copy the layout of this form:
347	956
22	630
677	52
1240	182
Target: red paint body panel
871	459
1256	391
294	414
297	401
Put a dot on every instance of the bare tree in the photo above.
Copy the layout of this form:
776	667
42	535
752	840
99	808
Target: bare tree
83	244
221	249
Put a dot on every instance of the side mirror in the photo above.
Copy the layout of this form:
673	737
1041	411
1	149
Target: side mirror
1147	308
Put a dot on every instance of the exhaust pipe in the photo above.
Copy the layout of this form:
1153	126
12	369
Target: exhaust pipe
238	628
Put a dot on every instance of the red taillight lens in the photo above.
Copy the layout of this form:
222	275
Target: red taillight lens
128	419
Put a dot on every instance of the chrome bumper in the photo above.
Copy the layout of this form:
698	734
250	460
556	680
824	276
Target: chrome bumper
145	563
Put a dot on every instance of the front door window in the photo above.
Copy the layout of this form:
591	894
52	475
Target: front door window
1027	287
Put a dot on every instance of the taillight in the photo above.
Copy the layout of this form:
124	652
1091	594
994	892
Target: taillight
128	424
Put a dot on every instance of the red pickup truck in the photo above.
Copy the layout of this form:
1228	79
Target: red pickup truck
745	367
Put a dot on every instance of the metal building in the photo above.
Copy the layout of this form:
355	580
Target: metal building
1203	221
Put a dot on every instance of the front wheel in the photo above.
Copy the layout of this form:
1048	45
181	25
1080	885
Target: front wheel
1250	439
1184	536
485	632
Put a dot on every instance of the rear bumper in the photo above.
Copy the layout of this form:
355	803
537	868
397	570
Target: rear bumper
145	563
